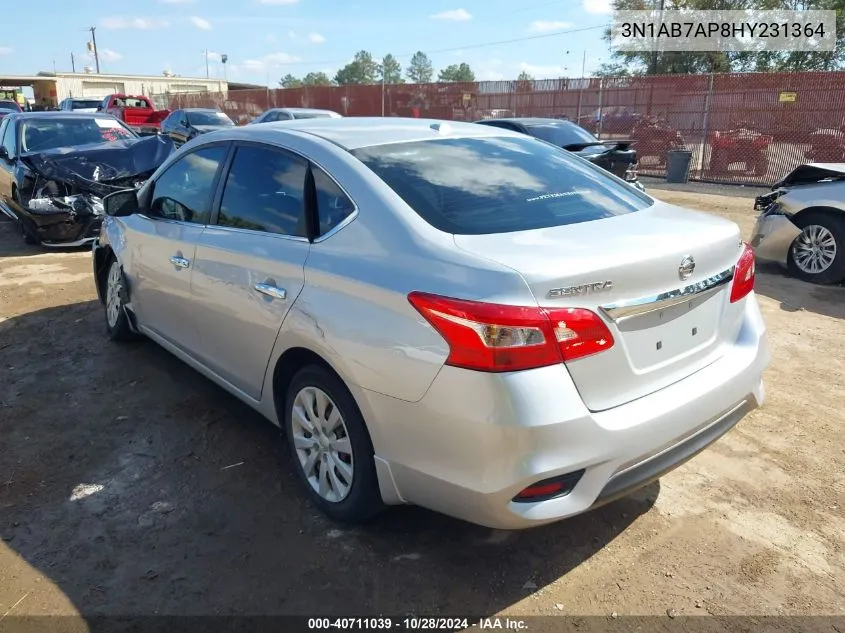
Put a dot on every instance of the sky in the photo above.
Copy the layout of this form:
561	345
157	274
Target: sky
267	39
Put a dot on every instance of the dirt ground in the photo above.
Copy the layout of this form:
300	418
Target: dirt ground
129	485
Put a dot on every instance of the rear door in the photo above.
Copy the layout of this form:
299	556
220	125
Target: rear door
162	240
250	263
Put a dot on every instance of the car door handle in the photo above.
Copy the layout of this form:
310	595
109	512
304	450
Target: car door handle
179	262
272	291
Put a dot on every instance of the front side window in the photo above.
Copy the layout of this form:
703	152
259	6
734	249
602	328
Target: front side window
265	191
333	207
183	193
8	138
475	186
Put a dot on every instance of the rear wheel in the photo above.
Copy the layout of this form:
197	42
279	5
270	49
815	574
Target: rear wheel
330	446
117	321
818	254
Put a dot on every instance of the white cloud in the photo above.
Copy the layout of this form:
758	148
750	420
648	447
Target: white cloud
6	50
277	1
597	6
176	1
108	55
270	61
292	35
544	26
201	23
541	71
316	38
213	57
142	24
456	15
271	38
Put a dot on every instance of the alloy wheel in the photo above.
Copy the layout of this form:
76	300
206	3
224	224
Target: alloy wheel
814	250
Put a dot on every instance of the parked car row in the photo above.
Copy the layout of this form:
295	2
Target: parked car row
399	295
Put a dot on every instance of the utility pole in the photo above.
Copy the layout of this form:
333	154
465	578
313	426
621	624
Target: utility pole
93	30
654	52
383	73
206	64
584	65
72	63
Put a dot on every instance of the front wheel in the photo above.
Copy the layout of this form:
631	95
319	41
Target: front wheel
818	254
330	446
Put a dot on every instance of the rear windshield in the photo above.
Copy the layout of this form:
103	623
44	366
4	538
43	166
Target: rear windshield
9	106
80	104
561	133
311	115
209	118
475	186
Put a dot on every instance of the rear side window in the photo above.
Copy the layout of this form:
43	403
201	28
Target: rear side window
265	191
333	207
474	186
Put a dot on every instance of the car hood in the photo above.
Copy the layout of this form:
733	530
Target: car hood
811	173
102	168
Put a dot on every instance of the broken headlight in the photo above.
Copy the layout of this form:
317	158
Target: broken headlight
78	204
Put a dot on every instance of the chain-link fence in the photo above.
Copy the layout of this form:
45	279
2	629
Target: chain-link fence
741	128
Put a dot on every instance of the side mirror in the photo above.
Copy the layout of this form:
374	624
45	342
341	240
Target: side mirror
121	203
4	153
99	108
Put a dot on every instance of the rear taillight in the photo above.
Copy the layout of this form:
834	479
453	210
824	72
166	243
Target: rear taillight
496	338
743	274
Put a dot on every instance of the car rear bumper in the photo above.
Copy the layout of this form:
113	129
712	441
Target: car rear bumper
476	440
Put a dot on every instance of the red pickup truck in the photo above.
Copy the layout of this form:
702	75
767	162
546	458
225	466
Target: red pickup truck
136	112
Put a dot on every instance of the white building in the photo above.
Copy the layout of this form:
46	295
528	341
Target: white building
51	88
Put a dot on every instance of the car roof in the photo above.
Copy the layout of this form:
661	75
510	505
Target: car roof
199	110
529	121
302	110
355	132
63	114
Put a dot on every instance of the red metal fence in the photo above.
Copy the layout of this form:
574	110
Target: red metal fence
741	128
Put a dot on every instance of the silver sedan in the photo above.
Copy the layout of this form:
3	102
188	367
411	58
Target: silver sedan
443	314
802	223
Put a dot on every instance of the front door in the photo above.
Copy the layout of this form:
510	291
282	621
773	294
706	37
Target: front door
249	264
162	240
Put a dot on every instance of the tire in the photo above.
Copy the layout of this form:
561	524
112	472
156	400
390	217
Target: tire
344	449
115	295
719	161
26	235
827	230
760	166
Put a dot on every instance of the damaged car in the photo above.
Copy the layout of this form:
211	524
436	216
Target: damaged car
55	168
802	223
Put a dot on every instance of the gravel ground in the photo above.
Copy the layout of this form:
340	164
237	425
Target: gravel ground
129	485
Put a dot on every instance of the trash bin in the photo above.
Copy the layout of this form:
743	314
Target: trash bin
677	165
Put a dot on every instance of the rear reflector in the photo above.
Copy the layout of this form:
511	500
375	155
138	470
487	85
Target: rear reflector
497	338
744	273
549	488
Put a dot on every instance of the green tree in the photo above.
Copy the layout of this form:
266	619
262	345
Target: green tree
390	70
289	81
420	70
316	79
361	70
456	72
524	82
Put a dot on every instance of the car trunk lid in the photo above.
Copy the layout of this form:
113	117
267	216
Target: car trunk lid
667	323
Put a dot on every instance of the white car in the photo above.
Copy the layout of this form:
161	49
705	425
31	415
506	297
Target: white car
72	104
451	315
